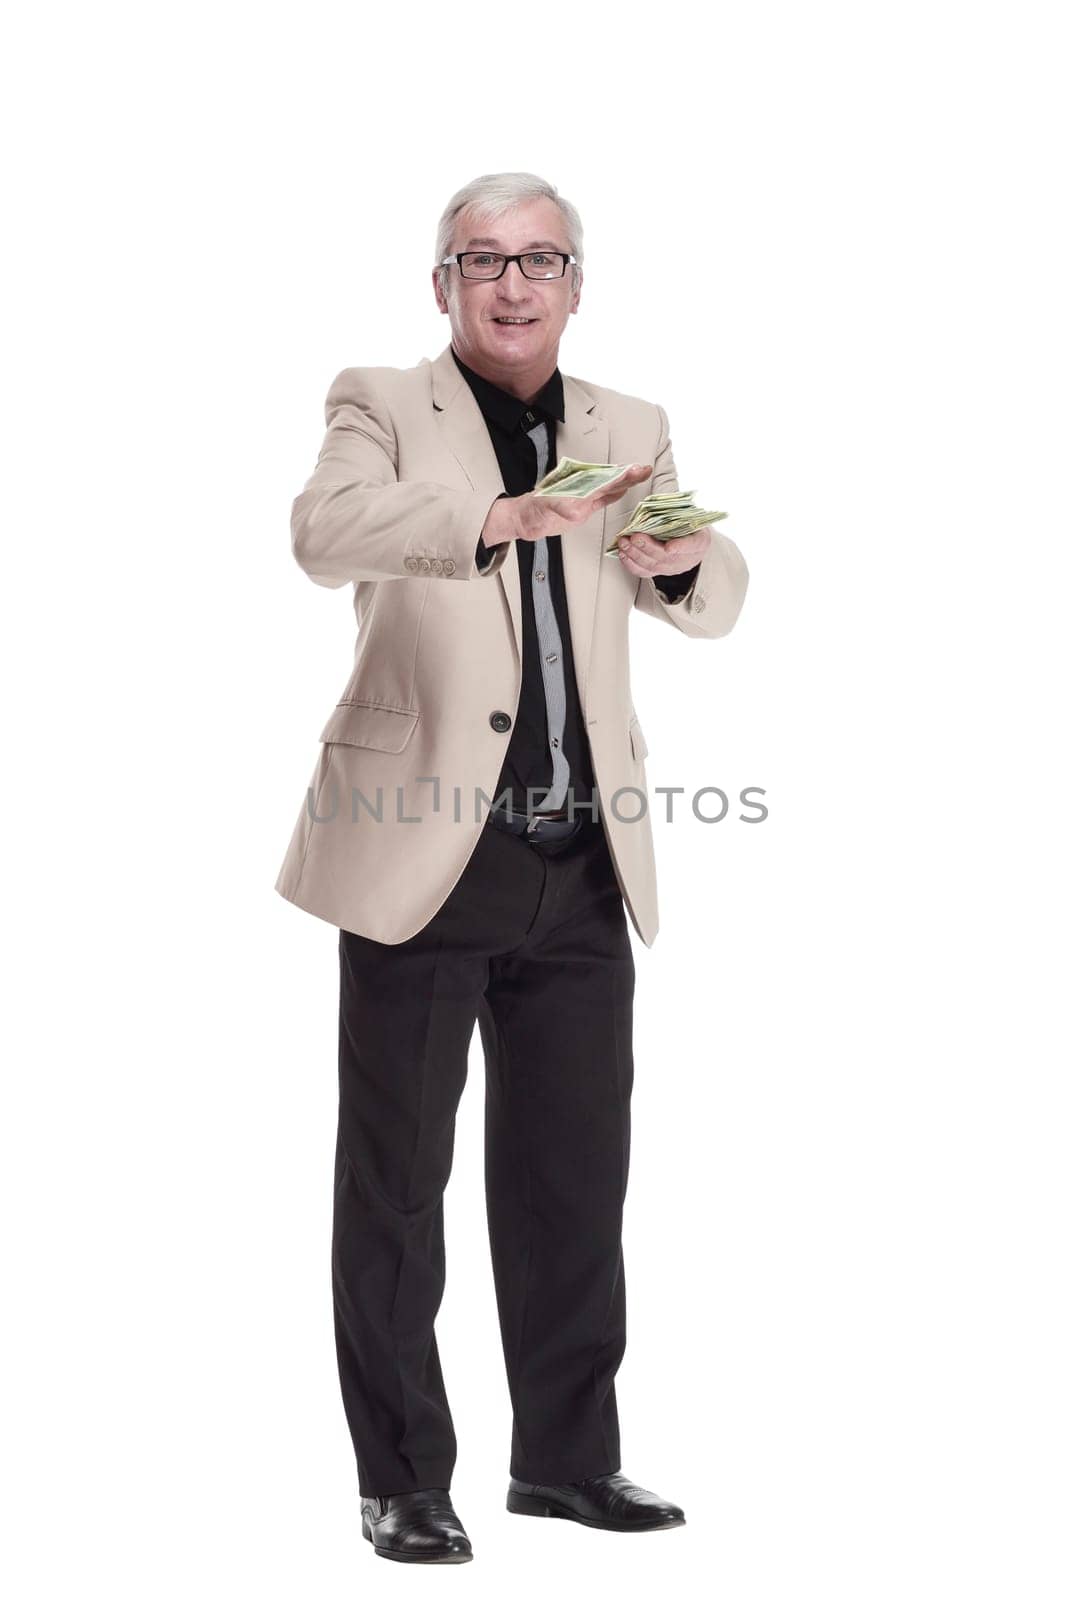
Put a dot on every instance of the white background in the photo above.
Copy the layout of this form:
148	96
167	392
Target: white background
826	240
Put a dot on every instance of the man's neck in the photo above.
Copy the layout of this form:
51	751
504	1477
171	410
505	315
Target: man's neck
522	385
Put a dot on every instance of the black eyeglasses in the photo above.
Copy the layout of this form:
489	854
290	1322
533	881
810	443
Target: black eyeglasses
487	264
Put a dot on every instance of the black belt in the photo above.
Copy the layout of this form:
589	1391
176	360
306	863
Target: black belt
536	825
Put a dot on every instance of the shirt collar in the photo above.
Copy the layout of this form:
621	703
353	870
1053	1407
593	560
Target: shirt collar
507	409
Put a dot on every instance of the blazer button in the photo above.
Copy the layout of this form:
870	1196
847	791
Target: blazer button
412	563
698	602
424	564
500	721
438	566
450	567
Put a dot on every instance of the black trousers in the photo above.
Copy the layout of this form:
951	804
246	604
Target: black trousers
533	944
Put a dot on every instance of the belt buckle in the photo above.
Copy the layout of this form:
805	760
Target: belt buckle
537	818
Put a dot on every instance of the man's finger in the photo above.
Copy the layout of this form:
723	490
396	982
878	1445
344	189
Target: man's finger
615	491
573	510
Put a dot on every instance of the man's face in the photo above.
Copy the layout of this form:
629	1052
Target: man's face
510	355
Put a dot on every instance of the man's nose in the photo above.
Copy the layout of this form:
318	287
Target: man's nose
511	282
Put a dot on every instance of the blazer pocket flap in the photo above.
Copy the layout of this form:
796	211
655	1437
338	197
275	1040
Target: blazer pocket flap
637	740
376	727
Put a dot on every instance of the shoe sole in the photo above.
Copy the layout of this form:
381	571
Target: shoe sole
450	1558
528	1505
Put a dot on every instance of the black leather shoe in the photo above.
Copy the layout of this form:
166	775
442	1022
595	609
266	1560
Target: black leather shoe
420	1525
607	1501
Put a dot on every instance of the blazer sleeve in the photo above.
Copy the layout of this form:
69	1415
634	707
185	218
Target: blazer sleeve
712	605
354	521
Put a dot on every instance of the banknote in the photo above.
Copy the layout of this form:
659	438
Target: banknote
665	516
576	480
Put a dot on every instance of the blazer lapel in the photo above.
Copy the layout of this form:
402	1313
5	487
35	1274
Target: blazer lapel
583	435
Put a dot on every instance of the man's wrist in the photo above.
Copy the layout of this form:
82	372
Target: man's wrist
674	586
482	554
495	530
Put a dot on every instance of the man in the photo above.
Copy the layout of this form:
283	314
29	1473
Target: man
491	665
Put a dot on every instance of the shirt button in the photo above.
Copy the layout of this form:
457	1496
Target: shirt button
499	721
555	741
552	658
538	574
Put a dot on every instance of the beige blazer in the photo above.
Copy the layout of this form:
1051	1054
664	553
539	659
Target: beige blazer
410	757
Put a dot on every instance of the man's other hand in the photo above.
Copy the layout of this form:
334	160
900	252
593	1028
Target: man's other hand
661	558
530	516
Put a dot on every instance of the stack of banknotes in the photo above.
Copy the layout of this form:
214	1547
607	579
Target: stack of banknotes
661	516
576	480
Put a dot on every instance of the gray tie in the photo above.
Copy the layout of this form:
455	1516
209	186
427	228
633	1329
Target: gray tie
551	650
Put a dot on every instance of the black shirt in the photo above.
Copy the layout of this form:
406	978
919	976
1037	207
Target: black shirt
527	762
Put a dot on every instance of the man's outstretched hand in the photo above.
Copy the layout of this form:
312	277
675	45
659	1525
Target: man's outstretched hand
530	516
660	558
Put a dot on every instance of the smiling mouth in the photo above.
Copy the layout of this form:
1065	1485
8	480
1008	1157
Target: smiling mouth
513	322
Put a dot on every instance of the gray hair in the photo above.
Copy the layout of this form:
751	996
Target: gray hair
492	196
